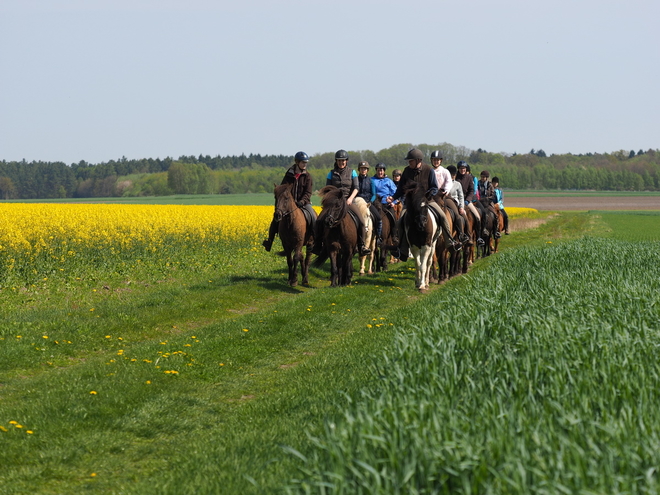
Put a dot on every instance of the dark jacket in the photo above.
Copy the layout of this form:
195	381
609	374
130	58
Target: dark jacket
421	175
345	179
302	185
467	183
486	191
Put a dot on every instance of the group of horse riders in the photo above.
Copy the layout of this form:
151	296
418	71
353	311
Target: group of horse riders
455	187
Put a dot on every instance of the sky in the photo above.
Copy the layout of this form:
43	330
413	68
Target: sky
97	80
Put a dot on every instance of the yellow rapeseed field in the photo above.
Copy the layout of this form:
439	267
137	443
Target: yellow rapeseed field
41	238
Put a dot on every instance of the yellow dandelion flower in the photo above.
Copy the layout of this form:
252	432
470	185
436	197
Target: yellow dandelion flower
29	432
93	392
245	330
2	428
13	422
148	382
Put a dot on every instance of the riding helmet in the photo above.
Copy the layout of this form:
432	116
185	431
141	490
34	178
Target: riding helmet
462	163
438	154
485	173
414	154
341	155
380	165
451	169
301	156
363	164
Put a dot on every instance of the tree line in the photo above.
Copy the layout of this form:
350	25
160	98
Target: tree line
617	171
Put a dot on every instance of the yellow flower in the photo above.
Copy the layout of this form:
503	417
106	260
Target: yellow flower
93	392
245	330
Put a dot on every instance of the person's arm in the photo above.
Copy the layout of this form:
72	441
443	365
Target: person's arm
433	186
373	192
354	188
328	179
309	188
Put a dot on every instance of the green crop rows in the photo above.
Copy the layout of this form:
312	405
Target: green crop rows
538	375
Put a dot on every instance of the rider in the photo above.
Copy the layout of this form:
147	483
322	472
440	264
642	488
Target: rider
445	183
487	198
419	172
384	185
467	182
346	179
302	193
499	199
457	198
367	191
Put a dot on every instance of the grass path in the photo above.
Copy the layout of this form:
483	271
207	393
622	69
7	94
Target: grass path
253	365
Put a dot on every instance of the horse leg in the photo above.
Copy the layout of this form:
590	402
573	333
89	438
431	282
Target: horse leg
291	261
304	266
334	269
363	260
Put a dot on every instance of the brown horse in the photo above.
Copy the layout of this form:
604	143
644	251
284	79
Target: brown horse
446	258
389	217
339	236
500	222
294	233
421	231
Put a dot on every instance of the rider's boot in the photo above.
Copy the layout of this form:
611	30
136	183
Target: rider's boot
268	243
379	233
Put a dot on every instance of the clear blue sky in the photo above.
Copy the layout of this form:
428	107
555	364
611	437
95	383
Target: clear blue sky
96	80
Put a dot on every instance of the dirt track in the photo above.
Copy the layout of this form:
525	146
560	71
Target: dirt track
586	203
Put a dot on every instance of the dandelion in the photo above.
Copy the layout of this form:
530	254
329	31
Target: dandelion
93	392
369	325
245	330
29	432
2	428
91	309
222	364
93	475
148	382
108	336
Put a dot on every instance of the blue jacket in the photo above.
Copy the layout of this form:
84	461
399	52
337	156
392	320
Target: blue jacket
384	187
499	197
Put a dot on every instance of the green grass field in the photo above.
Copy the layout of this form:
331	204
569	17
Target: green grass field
229	381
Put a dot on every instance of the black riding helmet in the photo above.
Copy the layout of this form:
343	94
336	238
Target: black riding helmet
451	169
463	163
380	165
341	155
438	154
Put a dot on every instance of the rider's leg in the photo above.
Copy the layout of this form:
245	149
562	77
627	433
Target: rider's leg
477	217
449	240
272	230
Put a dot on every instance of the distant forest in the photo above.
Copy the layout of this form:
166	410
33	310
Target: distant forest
617	171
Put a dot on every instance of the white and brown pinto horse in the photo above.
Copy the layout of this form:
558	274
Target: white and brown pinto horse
422	231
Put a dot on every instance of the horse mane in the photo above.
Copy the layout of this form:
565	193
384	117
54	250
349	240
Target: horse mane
415	195
332	200
281	189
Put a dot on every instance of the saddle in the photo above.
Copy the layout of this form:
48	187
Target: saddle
356	219
309	218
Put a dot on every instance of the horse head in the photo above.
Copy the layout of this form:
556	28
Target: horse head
333	204
284	203
417	205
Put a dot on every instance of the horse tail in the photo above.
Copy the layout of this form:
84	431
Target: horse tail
320	259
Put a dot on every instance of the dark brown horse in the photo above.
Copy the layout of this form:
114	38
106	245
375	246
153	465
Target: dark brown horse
388	217
447	258
421	231
339	236
294	233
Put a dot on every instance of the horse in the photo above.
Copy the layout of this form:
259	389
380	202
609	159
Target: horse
447	258
294	233
369	243
339	236
388	216
488	224
500	223
421	231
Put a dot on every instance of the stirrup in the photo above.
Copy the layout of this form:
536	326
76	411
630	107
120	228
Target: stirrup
498	235
364	251
480	241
